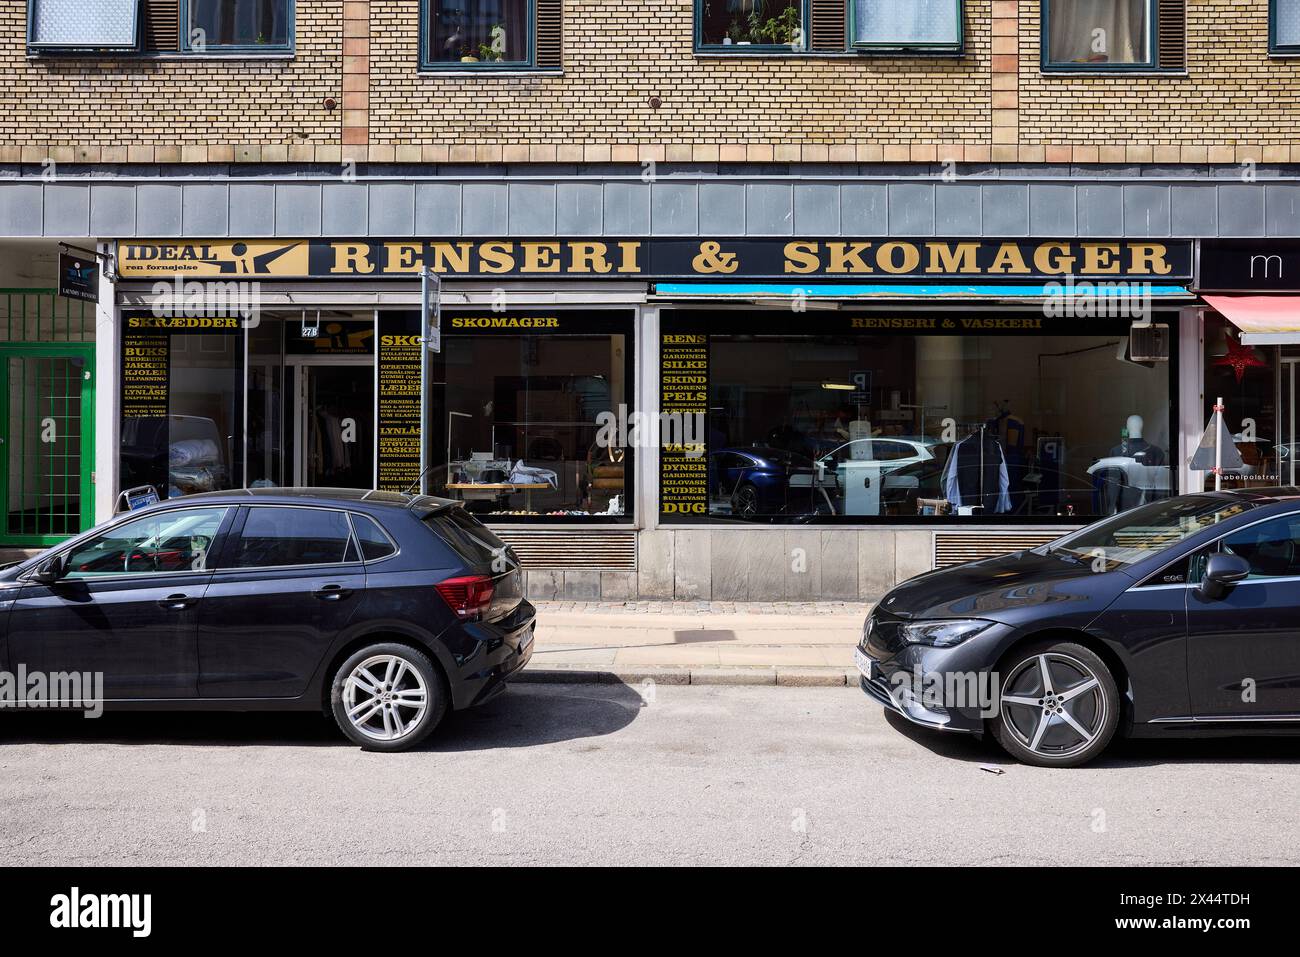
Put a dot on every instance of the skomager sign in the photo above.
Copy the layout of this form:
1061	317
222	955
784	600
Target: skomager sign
878	259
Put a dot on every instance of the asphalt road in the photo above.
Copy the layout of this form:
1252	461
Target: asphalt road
593	774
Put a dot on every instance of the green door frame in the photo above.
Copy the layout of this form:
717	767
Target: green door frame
50	350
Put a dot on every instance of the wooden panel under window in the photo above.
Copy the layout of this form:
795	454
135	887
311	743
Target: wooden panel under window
550	34
1171	34
828	31
160	29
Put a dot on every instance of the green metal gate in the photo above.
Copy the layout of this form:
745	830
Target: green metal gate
47	417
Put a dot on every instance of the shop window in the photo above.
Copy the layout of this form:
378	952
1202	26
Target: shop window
1114	35
182	404
911	25
490	34
531	416
912	418
750	26
1247	378
118	27
1284	26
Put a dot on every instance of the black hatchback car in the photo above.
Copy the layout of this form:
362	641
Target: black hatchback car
1180	617
384	609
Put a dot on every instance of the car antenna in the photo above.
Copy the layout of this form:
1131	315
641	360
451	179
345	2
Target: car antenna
418	479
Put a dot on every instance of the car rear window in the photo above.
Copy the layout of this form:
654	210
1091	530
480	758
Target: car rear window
470	539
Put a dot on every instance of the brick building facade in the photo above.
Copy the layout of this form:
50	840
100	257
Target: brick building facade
843	262
352	88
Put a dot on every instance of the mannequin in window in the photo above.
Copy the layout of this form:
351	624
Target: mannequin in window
976	474
1133	446
1131	474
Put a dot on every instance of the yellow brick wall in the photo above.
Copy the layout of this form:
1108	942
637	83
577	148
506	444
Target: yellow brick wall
152	111
1234	93
619	54
994	103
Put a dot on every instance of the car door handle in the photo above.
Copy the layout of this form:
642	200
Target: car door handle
332	592
177	602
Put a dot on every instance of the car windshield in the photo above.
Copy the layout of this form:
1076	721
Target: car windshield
1142	532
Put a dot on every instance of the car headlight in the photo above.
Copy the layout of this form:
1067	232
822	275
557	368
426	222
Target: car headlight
943	633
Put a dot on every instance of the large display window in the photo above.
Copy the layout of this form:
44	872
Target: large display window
901	417
527	416
182	404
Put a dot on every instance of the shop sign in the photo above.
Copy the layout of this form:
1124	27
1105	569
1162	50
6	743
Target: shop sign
400	386
1249	265
78	277
684	393
658	259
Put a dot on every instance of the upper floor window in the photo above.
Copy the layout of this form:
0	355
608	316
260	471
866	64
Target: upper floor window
491	34
118	27
218	25
62	24
1114	35
750	26
906	24
1284	26
1100	34
478	34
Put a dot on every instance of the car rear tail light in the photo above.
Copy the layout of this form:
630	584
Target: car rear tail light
468	596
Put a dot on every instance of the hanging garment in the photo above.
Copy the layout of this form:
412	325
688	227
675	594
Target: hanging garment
968	481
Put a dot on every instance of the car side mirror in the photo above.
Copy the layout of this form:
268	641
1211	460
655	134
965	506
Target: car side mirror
51	570
1222	571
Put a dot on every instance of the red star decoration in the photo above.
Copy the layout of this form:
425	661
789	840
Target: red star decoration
1240	358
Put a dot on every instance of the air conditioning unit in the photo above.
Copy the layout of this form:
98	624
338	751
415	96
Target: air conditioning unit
1149	342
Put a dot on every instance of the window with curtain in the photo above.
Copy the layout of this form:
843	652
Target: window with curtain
907	23
1285	32
252	24
1098	34
477	33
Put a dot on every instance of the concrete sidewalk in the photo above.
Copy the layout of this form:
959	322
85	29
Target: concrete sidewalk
777	643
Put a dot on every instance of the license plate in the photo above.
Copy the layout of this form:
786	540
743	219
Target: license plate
865	664
527	640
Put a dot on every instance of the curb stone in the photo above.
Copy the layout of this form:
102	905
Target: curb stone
789	678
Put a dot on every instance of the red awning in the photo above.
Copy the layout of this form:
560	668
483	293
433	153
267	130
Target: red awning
1263	320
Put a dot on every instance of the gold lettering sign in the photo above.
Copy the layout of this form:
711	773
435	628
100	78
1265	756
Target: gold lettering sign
660	258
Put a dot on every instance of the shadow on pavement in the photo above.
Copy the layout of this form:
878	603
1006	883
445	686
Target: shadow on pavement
948	744
528	715
1122	753
525	716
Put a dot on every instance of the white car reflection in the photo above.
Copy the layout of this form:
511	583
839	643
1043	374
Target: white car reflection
857	477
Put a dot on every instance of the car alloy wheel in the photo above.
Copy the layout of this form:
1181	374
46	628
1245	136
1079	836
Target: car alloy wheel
1058	706
385	698
746	501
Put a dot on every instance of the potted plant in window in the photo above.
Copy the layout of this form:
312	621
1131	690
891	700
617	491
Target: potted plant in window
781	30
467	55
493	50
